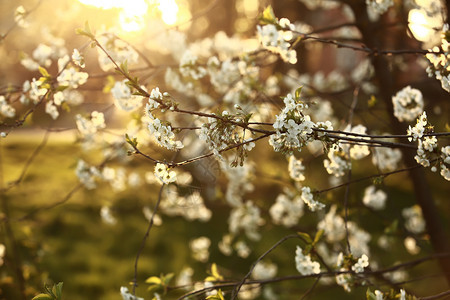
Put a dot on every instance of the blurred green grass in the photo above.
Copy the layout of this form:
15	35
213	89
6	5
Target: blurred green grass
70	243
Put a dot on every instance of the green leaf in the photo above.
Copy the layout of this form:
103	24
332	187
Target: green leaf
297	40
109	84
44	72
305	236
392	228
307	249
318	236
153	280
57	290
166	279
124	67
43	297
372	101
268	16
298	92
133	142
86	31
154	288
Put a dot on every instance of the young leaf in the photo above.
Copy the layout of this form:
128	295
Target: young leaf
305	236
153	280
57	290
268	16
218	296
44	72
42	297
298	92
318	236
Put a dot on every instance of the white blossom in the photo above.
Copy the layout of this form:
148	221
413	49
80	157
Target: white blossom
374	199
72	78
408	104
414	221
164	174
52	110
246	217
286	211
362	263
19	16
304	264
386	159
123	97
308	198
6	109
200	248
264	270
337	162
296	169
126	295
277	41
78	59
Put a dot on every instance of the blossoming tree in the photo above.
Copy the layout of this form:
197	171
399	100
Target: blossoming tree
325	106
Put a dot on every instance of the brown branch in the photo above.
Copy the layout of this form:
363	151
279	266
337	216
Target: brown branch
147	233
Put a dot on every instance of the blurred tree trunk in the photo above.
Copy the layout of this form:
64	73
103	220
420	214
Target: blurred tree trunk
374	37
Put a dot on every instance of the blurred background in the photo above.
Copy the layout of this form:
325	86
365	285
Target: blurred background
89	239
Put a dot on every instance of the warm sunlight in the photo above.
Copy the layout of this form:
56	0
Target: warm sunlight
169	11
133	12
426	20
420	24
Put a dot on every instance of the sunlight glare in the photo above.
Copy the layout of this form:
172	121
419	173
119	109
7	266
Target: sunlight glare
169	11
420	24
132	12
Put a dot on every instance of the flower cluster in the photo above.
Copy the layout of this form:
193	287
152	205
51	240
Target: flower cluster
123	97
87	174
126	295
200	248
308	198
362	263
376	8
439	60
117	49
32	90
88	127
374	199
356	151
78	59
219	134
414	221
276	37
304	264
71	78
264	270
246	217
189	67
296	169
293	129
287	211
163	133
427	147
408	104
338	161
163	173
386	159
191	206
19	17
6	109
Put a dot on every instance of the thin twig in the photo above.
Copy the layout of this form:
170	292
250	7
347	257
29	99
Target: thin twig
239	285
147	233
